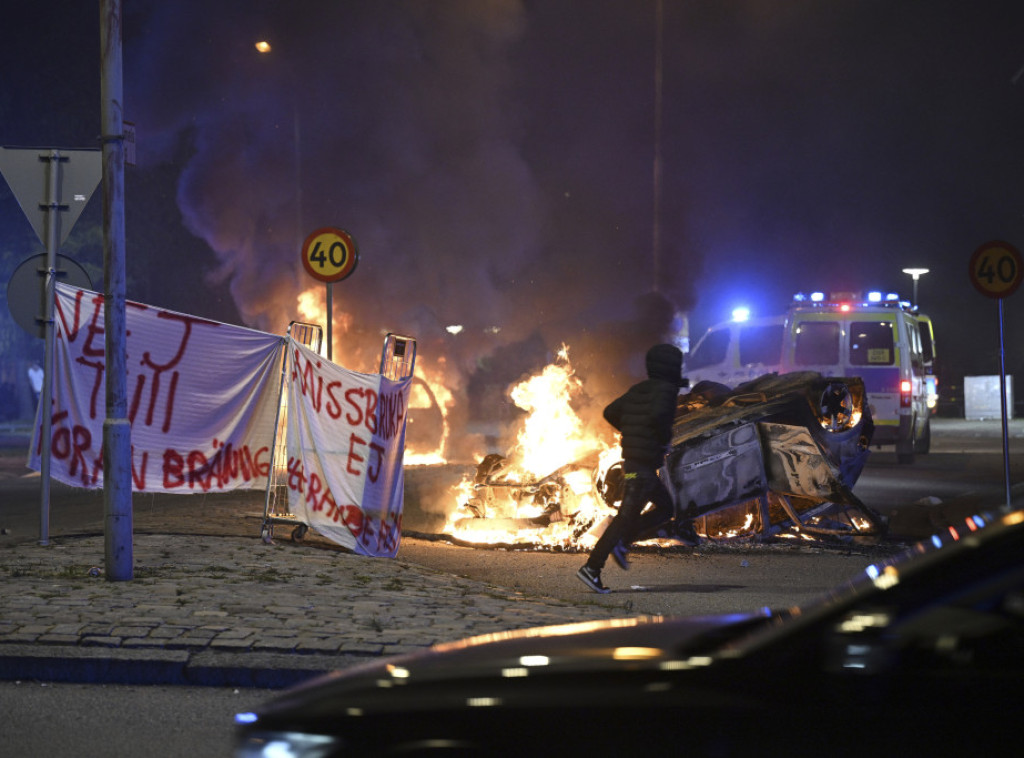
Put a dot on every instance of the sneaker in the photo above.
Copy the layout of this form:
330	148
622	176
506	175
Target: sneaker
619	554
592	579
684	532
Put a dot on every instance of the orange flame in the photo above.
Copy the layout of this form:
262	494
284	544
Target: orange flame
429	390
547	490
311	305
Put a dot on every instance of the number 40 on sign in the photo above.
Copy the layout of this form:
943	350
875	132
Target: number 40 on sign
329	255
996	269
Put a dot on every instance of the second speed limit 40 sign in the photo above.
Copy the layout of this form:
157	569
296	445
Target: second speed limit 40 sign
996	269
329	254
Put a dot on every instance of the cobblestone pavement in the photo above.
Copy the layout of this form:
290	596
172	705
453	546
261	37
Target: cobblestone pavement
212	603
231	610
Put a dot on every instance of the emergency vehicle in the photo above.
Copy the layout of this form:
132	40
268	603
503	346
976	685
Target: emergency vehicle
875	337
928	353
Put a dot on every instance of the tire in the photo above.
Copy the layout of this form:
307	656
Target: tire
923	444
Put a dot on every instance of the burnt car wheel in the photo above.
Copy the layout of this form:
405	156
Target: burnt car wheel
836	406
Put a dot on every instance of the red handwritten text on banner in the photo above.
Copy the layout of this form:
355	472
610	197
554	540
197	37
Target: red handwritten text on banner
346	437
202	398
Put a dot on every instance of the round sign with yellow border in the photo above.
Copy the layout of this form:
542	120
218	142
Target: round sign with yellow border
996	269
329	254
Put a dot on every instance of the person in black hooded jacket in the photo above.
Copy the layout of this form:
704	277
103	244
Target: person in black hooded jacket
643	416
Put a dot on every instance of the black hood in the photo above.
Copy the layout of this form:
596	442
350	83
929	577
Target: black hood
665	362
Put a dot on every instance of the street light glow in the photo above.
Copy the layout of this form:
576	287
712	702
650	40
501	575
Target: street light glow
916	273
263	46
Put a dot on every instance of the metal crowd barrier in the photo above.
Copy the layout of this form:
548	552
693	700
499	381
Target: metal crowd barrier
275	506
397	362
397	357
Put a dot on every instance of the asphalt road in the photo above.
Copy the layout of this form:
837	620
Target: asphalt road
965	467
119	721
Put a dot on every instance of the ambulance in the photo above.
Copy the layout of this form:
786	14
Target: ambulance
875	337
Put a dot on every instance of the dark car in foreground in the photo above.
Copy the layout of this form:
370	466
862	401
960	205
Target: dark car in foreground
919	655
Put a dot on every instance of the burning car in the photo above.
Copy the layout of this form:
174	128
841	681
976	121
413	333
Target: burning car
777	456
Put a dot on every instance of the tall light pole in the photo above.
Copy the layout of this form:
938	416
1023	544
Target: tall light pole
264	48
916	273
117	452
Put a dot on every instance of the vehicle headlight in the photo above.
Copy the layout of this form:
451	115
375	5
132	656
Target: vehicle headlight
285	745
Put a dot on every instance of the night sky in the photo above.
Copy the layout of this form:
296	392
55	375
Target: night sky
494	159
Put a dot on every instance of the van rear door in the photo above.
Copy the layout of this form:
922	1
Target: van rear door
854	344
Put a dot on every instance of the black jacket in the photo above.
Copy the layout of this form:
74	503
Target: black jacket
644	414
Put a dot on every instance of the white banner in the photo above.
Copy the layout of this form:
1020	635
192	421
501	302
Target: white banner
202	399
346	438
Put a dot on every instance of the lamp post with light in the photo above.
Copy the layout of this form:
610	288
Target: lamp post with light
916	273
264	48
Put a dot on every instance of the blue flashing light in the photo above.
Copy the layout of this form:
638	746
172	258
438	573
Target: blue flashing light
892	297
799	297
817	297
936	540
245	718
874	297
740	314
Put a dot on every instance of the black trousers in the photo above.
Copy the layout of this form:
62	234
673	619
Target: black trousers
643	486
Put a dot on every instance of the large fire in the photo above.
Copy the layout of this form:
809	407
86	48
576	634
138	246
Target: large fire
553	488
560	483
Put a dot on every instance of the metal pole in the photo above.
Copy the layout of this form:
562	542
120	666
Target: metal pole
656	172
49	338
117	482
1002	403
330	321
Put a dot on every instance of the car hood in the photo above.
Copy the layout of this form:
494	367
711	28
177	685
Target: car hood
513	665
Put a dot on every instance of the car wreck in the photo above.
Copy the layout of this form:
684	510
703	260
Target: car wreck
776	457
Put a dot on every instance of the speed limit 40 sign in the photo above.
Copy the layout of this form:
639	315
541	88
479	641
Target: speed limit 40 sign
996	269
329	255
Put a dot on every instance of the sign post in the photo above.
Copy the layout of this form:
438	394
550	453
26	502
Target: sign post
39	179
330	255
996	270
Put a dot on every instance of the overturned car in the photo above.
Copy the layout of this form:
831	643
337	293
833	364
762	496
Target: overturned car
774	457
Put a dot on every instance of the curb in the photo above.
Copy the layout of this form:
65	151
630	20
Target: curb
65	663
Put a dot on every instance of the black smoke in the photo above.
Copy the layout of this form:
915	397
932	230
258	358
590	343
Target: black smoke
493	160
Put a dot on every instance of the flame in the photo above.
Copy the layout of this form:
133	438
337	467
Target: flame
430	390
547	490
552	434
311	305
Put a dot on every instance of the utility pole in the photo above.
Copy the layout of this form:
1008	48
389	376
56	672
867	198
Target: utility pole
117	481
659	25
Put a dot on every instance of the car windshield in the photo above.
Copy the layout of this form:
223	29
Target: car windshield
761	345
710	350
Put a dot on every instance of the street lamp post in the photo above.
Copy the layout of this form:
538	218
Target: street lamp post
263	47
916	273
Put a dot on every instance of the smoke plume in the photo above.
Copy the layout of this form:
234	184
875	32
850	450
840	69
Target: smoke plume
493	164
